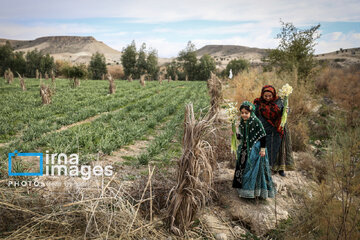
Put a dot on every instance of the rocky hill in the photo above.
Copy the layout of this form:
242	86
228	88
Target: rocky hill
341	57
223	54
71	48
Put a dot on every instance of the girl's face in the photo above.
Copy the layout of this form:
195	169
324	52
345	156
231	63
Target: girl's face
245	114
268	96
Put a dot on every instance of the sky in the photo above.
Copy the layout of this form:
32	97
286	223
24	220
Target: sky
167	26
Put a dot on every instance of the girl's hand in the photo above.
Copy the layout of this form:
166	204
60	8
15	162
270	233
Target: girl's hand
262	152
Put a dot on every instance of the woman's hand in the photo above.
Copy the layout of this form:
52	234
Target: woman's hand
262	152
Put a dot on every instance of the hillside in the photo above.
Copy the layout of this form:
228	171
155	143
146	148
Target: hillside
223	54
71	48
341	57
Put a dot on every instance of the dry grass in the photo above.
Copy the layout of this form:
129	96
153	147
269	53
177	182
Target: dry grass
343	86
116	71
160	78
104	212
142	80
215	90
130	78
112	86
37	74
52	77
22	82
194	173
9	76
169	79
75	82
45	93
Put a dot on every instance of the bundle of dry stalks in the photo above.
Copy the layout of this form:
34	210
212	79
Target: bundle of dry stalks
186	78
160	78
45	93
112	86
75	82
103	76
73	212
142	80
194	173
9	76
46	76
176	77
169	79
40	76
130	78
5	75
22	82
37	75
215	91
52	77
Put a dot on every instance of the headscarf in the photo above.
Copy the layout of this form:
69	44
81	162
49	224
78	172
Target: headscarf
269	110
252	128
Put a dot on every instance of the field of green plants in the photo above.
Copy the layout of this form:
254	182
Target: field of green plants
132	113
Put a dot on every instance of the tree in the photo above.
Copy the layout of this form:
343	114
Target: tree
189	60
206	66
128	59
152	64
141	64
35	60
6	55
236	66
97	66
295	50
172	69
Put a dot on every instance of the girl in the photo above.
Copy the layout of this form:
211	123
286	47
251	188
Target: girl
252	176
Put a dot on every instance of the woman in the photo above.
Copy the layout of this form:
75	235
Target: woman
269	108
252	176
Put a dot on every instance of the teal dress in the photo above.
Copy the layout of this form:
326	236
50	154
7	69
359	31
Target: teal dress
252	177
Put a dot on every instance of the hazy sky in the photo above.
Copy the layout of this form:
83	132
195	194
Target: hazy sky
168	25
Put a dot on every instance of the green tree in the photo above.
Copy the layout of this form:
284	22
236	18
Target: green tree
19	63
189	60
141	64
6	55
36	60
172	69
128	59
46	63
206	66
78	71
236	66
152	64
295	50
97	66
33	60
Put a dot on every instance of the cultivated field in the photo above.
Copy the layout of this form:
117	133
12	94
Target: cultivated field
88	121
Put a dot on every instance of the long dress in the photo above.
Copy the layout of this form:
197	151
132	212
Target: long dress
279	148
273	138
252	177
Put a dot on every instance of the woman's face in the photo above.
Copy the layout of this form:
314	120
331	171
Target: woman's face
245	114
268	96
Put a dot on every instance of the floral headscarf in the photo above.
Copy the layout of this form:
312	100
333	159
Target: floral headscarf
269	110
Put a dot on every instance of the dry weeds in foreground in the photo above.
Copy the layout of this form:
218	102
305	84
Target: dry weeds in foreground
194	173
